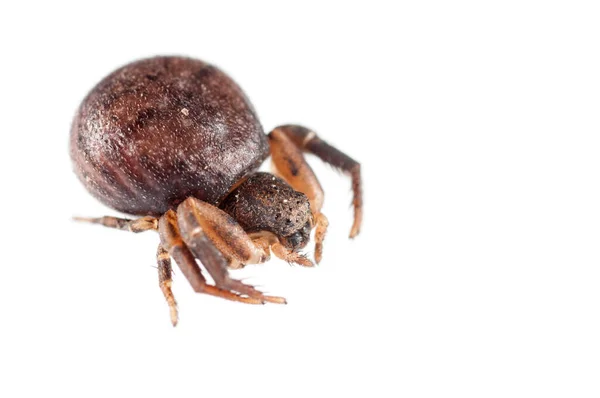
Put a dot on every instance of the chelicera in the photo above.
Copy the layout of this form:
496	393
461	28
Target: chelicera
175	141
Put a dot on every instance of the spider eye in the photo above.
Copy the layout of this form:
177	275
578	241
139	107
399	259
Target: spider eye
295	239
298	239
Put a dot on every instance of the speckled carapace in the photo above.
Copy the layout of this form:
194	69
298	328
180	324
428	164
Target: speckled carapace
176	141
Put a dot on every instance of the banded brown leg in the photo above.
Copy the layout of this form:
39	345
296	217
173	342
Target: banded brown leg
290	256
308	141
124	224
165	281
272	244
290	164
172	241
213	237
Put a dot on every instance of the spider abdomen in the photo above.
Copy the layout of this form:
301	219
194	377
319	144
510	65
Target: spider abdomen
159	130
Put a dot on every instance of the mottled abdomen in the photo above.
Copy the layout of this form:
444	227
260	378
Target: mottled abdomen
159	130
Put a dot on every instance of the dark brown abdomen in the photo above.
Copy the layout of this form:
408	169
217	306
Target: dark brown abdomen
159	130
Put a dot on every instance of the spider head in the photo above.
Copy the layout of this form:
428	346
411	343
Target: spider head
264	202
298	239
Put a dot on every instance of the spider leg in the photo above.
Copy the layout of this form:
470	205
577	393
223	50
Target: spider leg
290	256
308	141
213	236
165	280
124	224
222	230
321	230
172	241
290	164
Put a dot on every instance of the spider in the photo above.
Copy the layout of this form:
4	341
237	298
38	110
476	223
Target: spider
175	141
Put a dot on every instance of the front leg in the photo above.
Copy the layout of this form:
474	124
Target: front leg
214	237
172	242
307	140
290	164
222	230
290	256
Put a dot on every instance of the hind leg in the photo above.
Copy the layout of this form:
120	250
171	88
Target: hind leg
124	224
165	280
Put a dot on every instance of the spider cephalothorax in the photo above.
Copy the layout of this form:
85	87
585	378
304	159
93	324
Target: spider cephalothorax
175	140
266	203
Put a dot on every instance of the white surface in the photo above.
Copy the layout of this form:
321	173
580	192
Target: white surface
476	273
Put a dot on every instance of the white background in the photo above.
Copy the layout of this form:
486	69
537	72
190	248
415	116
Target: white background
476	273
